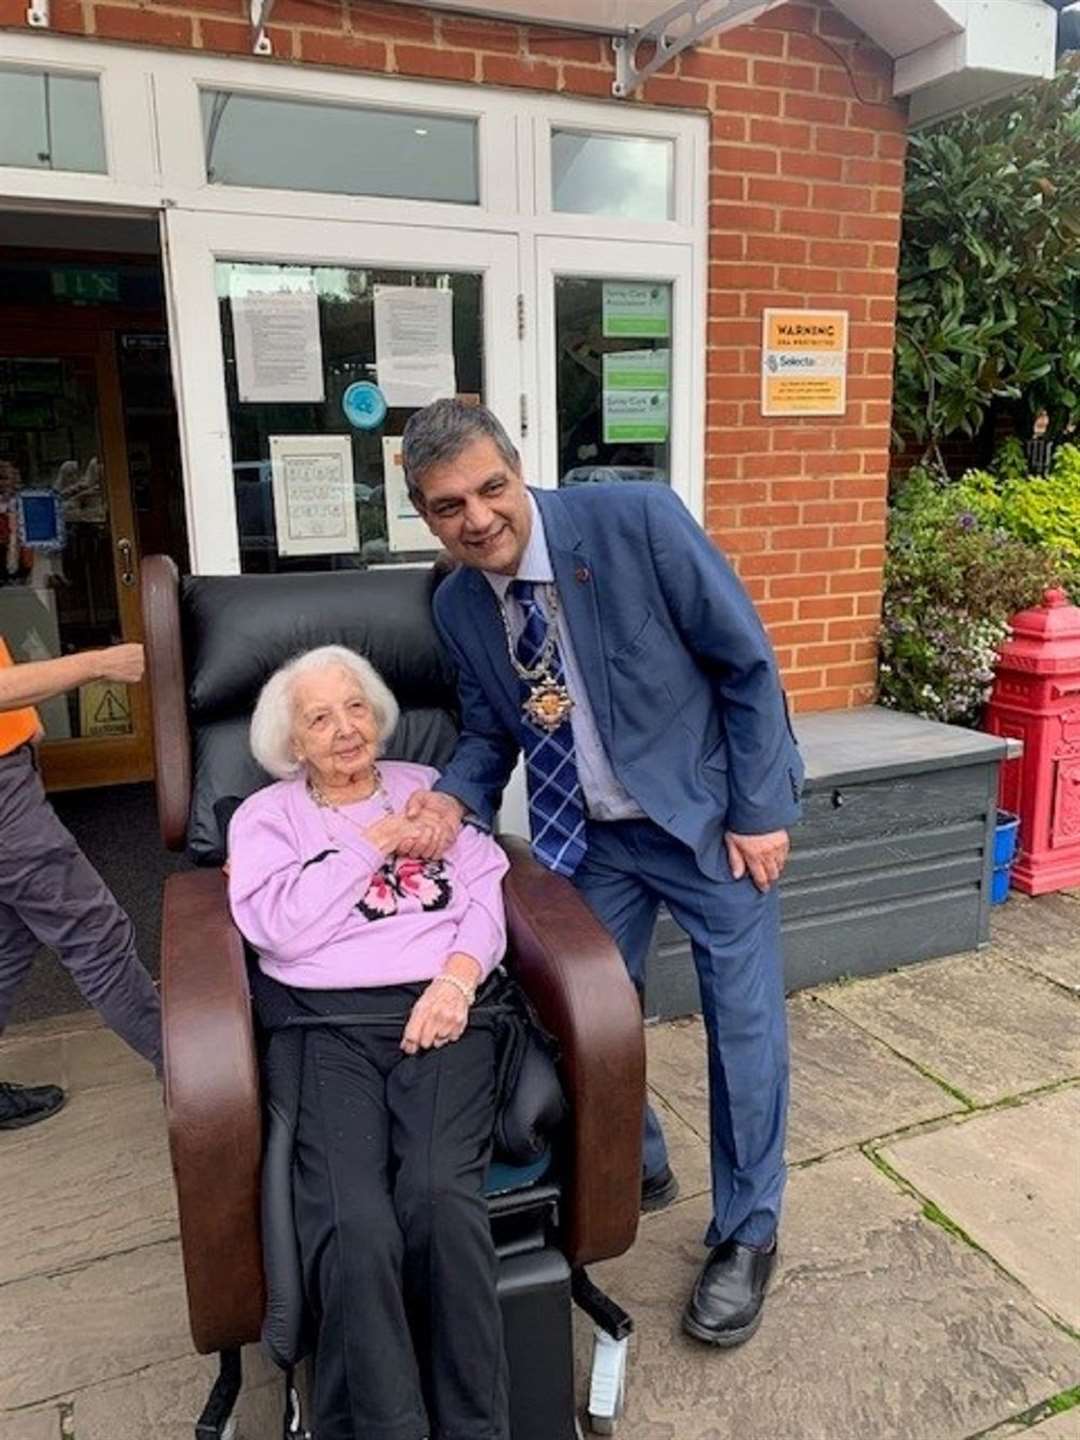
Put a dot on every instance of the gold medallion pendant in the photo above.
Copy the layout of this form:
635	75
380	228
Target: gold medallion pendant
547	705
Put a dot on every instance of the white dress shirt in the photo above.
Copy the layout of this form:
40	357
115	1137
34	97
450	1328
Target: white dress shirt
605	798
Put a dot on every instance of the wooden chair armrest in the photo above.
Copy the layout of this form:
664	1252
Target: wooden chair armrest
572	972
212	1104
160	596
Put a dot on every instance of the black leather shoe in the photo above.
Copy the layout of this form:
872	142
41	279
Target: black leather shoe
725	1308
27	1104
658	1191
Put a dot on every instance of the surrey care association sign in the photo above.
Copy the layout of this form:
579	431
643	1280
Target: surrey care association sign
804	362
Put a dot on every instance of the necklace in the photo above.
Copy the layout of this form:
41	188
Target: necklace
548	702
325	803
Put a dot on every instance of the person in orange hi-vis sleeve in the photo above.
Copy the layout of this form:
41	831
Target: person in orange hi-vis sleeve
50	894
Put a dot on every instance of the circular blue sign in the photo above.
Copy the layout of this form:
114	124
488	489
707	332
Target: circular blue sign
364	405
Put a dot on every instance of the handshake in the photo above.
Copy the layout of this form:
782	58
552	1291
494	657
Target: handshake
425	829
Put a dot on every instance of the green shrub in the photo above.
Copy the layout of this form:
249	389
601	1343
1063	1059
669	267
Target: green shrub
954	577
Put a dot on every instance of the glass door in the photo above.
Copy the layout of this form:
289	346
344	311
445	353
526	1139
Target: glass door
620	364
304	347
68	545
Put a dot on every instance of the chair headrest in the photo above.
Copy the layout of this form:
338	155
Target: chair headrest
238	629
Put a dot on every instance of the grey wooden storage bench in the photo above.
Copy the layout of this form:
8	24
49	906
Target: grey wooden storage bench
891	862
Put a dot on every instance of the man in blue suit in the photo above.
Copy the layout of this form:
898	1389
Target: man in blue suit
599	632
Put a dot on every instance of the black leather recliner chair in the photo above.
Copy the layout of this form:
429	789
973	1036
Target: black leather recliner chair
211	643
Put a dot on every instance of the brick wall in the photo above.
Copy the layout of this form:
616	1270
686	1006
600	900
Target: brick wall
806	175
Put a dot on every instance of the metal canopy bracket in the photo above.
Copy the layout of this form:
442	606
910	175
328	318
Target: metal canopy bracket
675	30
38	14
260	19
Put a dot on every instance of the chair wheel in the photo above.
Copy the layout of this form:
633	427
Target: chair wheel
607	1389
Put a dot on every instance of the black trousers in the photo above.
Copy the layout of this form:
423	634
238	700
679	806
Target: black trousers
399	1265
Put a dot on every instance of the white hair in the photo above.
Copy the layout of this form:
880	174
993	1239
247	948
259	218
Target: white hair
272	720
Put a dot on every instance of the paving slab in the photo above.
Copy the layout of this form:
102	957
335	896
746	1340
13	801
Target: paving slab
986	1027
847	1087
1057	1427
92	1180
105	1320
688	1153
41	1423
881	1327
675	1063
1011	1179
164	1401
1041	934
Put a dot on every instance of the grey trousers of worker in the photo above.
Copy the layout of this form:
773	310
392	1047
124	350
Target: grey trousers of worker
51	895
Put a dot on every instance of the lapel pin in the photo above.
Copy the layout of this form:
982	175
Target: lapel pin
581	575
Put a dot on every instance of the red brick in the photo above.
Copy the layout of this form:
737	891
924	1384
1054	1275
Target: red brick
834	699
778	192
753	40
874	172
233	37
529	74
724	303
567	45
827	607
725	361
804	680
864	629
480	35
839	252
154	27
873	387
890	118
886	256
811	167
727	187
860	489
725	247
851	198
785	77
710	65
732	387
353	50
853	674
798	585
745	101
869	603
837	26
784	134
393	22
810	49
790	17
742	217
769	467
827	654
767	517
674	90
825	560
219	7
739	492
830	512
870	282
799	632
832	141
577	80
853	582
810	222
816	109
873	337
743	159
312	14
729	127
802	278
892	147
439	64
783	250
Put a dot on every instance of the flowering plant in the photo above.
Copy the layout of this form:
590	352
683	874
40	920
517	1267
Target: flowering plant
953	579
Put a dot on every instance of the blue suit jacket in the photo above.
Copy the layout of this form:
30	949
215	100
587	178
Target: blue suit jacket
679	671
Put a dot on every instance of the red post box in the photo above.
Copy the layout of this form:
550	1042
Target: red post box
1036	699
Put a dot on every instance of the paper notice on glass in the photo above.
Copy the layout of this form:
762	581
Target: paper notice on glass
405	530
637	370
414	344
278	349
314	505
635	417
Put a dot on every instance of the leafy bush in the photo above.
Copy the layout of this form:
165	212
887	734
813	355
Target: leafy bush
1042	509
989	300
954	577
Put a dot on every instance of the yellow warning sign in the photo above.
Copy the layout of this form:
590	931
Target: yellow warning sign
104	709
804	362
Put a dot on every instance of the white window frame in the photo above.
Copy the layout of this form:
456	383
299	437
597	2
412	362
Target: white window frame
154	150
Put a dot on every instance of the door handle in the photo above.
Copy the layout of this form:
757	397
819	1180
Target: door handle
127	561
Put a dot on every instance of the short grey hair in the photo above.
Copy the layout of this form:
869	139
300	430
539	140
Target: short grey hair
272	720
441	431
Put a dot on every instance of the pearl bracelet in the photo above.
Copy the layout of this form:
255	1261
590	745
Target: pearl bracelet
461	986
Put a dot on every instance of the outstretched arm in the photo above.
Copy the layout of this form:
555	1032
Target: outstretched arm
37	680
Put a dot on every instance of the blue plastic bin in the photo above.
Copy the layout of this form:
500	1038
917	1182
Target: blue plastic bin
1005	835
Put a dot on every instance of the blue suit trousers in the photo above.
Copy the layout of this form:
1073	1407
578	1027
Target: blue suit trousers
630	866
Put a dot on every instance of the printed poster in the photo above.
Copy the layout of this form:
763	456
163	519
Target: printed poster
636	390
637	310
405	530
414	344
314	504
804	362
276	333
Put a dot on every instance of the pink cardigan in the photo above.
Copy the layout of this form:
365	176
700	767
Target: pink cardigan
325	910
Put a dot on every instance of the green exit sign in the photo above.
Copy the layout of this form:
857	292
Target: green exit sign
93	287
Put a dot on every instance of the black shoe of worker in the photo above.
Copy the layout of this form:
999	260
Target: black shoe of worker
658	1191
27	1104
726	1306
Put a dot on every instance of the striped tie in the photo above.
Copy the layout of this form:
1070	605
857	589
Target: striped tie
556	804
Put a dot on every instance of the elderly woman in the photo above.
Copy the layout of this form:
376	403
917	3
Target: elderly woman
395	1119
